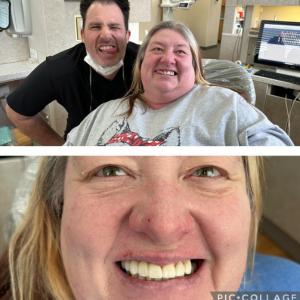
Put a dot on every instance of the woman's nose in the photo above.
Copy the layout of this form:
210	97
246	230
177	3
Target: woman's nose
162	214
168	57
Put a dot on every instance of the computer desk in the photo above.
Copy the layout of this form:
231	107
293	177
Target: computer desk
270	99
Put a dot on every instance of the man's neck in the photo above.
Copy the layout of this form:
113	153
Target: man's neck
109	77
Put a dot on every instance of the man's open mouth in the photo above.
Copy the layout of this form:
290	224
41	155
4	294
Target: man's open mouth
148	271
107	49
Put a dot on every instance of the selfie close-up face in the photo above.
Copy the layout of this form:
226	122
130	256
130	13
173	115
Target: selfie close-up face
104	34
167	69
155	217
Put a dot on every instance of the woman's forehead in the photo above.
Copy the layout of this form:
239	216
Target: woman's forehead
162	34
76	159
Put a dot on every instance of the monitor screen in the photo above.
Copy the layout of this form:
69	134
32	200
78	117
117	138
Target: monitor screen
278	44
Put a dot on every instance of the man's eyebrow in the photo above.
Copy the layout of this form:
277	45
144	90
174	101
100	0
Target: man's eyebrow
95	23
114	24
101	23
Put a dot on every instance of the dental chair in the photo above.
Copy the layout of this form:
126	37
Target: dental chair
229	74
272	274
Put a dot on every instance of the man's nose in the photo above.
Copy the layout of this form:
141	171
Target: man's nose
162	214
105	34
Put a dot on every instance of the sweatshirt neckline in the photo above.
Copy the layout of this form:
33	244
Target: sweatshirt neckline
167	107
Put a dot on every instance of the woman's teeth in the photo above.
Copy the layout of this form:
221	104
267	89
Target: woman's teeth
169	73
147	271
162	72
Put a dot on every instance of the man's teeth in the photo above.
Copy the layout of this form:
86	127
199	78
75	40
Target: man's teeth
105	47
148	271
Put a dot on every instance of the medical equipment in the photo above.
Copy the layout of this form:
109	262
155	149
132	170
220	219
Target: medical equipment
169	5
20	18
4	14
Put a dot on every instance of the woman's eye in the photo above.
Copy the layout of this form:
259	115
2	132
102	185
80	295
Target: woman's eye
181	51
111	171
207	172
157	49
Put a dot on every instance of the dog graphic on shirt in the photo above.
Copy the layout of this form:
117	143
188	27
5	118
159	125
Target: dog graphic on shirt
120	134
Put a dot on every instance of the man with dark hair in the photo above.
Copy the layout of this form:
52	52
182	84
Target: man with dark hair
123	5
80	78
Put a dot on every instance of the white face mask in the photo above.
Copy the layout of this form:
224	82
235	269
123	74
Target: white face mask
102	70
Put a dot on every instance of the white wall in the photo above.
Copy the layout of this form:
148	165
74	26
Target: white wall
156	17
13	49
213	23
203	19
38	40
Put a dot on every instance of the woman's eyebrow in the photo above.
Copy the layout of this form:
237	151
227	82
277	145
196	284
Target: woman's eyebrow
163	44
157	43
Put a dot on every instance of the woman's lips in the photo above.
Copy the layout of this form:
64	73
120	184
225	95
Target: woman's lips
163	286
144	271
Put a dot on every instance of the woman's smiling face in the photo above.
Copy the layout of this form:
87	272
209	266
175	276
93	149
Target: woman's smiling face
167	70
153	215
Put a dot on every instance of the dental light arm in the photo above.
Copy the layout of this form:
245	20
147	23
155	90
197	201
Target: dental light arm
169	5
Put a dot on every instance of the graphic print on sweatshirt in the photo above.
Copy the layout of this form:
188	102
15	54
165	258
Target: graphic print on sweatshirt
120	134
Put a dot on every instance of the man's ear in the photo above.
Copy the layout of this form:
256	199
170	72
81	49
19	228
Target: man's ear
128	35
82	35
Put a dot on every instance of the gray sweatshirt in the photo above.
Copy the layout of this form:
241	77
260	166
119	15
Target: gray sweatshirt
205	116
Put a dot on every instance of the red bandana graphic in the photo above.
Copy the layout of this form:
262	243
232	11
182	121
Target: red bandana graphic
133	139
120	134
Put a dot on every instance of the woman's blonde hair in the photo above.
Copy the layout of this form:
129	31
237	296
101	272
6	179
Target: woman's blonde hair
35	260
254	170
137	88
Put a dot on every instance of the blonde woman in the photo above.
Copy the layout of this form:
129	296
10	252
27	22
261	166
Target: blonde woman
171	104
102	228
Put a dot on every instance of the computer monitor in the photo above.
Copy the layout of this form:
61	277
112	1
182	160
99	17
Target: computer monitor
278	44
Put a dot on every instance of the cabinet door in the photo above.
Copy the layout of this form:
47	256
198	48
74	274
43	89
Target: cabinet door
275	110
251	50
295	124
220	30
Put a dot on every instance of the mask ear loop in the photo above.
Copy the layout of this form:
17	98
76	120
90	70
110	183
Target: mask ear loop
91	89
124	81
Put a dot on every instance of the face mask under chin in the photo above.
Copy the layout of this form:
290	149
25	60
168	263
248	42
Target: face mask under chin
102	70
